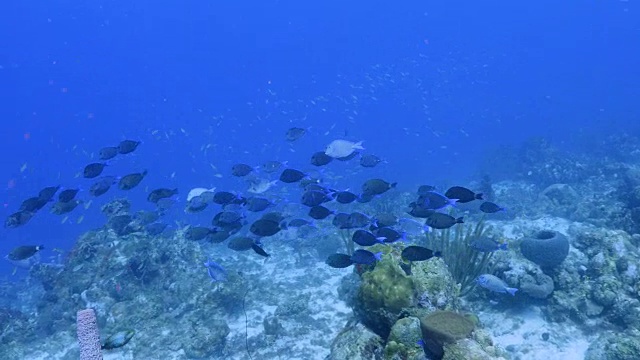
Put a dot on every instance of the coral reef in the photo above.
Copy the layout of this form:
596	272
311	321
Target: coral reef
384	292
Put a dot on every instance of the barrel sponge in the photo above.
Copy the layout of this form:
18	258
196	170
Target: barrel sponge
88	335
546	248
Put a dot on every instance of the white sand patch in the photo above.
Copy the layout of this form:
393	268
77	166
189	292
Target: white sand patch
521	333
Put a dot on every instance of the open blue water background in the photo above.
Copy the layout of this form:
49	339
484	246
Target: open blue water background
429	86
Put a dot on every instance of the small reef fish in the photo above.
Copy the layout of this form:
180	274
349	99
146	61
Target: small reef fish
486	244
489	208
342	148
418	253
118	339
462	194
495	284
198	191
216	272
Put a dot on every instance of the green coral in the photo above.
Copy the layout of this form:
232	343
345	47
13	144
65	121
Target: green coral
383	293
403	340
386	287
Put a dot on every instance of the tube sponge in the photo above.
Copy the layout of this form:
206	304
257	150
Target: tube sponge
88	335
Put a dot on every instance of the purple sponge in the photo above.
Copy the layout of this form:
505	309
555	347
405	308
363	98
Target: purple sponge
88	335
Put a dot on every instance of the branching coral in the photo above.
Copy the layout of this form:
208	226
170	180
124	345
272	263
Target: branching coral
464	262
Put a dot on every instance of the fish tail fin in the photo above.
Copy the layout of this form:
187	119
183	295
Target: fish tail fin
504	246
358	145
437	254
393	185
40	247
512	291
378	255
479	196
459	220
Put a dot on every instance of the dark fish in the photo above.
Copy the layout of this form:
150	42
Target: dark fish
128	146
358	219
463	194
103	185
122	225
61	208
161	193
256	204
295	133
224	197
442	221
197	233
365	238
216	272
345	197
369	161
389	235
320	212
365	198
241	170
435	201
118	340
487	244
376	187
241	243
318	187
226	217
155	228
165	204
309	181
490	208
196	204
130	181
107	153
264	227
259	250
219	235
420	212
314	198
93	170
341	220
273	216
18	219
423	189
365	257
145	217
24	252
298	223
339	261
418	253
48	192
348	157
320	159
33	204
272	166
67	195
386	220
291	175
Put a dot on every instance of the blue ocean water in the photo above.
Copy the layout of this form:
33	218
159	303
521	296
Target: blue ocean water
428	87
